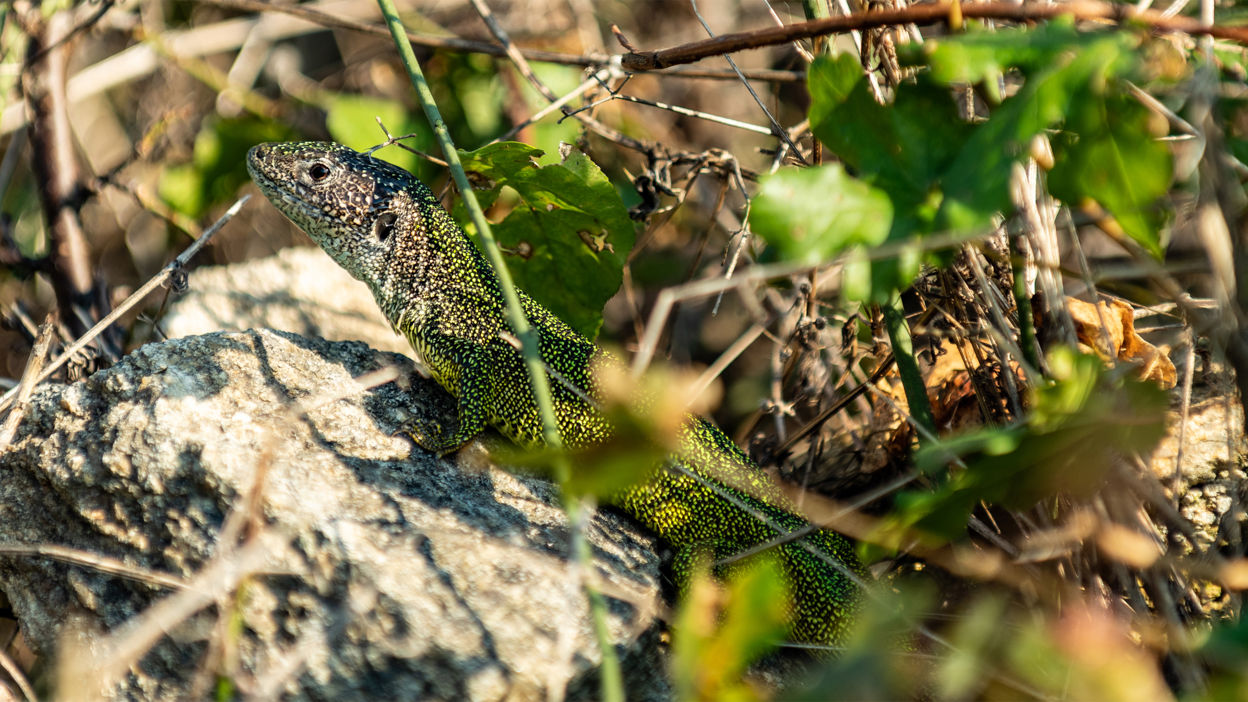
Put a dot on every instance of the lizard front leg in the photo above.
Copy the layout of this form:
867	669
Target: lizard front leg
433	435
462	369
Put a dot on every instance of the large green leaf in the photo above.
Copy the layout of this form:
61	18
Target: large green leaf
568	235
901	150
849	212
1107	153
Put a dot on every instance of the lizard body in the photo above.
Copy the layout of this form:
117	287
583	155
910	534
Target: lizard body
386	229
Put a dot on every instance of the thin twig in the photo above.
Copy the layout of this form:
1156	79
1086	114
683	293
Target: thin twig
517	58
34	363
669	297
94	561
726	121
775	125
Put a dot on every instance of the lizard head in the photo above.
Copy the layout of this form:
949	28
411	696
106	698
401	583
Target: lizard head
353	205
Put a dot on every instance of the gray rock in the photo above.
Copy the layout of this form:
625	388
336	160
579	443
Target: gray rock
385	572
298	290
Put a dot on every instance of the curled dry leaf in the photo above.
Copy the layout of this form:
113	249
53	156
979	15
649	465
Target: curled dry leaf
1110	333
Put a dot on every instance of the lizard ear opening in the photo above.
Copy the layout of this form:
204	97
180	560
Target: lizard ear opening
383	227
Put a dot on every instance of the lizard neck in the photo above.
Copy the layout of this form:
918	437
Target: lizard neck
433	269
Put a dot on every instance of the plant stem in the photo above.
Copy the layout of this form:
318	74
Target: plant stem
907	365
1026	318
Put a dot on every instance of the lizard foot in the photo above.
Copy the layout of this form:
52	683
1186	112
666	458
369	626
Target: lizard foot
433	436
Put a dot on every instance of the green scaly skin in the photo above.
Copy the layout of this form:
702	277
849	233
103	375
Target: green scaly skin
437	289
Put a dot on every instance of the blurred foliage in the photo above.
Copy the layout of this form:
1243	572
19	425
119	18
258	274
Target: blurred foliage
647	416
22	206
877	661
719	630
219	165
1224	650
992	650
1078	422
945	174
567	234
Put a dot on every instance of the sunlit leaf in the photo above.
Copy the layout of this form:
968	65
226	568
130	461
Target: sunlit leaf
812	214
1108	153
568	236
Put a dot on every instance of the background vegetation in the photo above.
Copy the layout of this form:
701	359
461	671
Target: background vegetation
968	277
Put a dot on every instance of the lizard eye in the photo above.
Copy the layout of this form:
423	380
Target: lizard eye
318	172
384	226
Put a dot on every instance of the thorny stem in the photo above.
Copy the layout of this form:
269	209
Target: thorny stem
612	685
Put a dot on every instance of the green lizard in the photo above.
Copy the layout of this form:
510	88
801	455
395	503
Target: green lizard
386	229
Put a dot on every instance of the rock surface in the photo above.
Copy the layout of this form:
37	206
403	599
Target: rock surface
298	290
385	572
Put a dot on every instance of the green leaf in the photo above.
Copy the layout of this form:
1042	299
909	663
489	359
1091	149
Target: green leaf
813	214
492	165
1108	153
568	236
945	175
901	149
